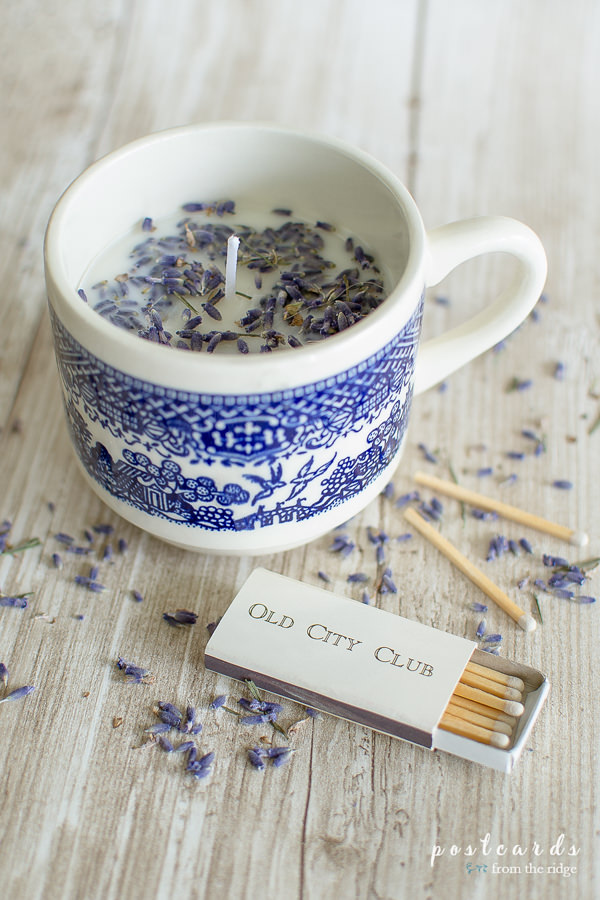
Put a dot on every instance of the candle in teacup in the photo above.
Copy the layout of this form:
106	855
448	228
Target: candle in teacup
210	278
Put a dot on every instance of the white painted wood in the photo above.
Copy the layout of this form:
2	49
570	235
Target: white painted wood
485	108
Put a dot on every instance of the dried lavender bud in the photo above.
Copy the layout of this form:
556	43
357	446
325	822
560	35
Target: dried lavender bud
185	747
103	529
357	578
563	594
170	708
3	674
388	491
181	617
524	543
436	505
63	538
260	719
88	536
404	537
93	573
18	693
481	629
211	627
559	371
313	713
147	224
15	602
380	554
323	576
584	599
165	744
83	295
479	607
256	759
515	454
122	545
137	596
493	638
169	718
427	455
555	561
108	552
57	561
219	701
159	728
364	597
563	485
483	515
487	470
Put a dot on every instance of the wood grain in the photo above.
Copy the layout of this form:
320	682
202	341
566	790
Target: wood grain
482	108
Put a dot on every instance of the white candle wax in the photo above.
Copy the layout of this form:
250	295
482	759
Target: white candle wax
124	278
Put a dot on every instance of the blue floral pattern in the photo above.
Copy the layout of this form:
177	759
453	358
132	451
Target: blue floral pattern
227	463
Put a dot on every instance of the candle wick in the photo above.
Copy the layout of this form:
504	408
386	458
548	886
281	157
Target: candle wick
231	265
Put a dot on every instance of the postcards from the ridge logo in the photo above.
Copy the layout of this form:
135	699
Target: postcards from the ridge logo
318	631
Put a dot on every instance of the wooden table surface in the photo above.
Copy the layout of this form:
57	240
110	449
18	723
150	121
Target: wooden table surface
480	107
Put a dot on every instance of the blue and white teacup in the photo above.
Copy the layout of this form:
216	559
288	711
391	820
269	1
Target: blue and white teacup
263	452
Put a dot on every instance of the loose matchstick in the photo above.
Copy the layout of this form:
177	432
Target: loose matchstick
475	732
450	489
523	619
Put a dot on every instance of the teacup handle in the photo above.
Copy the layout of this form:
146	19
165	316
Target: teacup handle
452	244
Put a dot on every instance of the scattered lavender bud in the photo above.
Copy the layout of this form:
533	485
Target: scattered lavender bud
563	485
169	718
122	545
380	554
219	701
523	583
388	491
563	594
259	719
481	629
165	744
181	617
108	552
483	515
427	455
559	371
510	479
212	626
313	713
184	747
324	577
524	543
515	454
404	537
555	561
63	538
18	693
584	599
137	597
365	598
487	470
159	728
493	638
103	529
513	547
436	504
93	573
15	602
407	498
530	435
541	585
281	758
83	295
256	759
147	224
3	674
88	536
519	384
357	578
57	561
479	607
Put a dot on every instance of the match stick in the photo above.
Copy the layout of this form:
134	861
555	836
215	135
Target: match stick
494	675
523	619
512	707
475	732
492	687
577	538
477	719
473	706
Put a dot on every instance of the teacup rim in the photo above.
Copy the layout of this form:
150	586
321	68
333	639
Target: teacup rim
234	374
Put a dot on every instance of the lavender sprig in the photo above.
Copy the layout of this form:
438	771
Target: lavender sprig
18	693
11	550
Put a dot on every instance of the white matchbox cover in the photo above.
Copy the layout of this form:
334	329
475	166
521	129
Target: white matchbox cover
357	662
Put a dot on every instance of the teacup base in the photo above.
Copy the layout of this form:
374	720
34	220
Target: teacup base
259	542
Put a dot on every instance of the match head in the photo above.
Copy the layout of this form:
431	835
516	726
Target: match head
513	708
514	682
499	740
526	622
579	539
